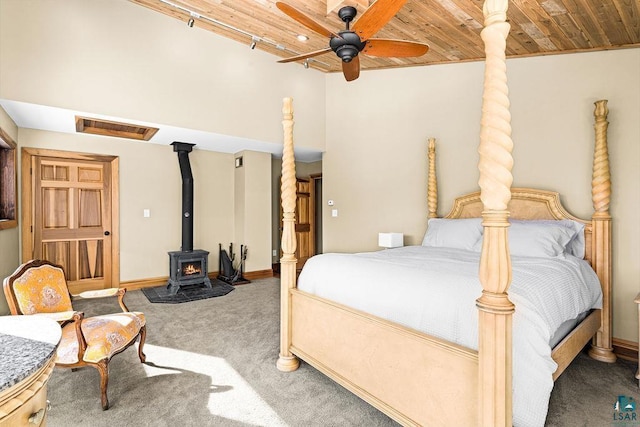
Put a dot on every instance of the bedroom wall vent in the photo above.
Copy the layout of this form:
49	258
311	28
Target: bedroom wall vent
187	266
117	129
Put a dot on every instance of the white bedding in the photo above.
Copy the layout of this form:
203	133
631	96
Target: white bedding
434	290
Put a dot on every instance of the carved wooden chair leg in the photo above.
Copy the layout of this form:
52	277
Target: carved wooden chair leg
103	368
143	336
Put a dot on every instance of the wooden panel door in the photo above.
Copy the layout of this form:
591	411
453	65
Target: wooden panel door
305	220
72	219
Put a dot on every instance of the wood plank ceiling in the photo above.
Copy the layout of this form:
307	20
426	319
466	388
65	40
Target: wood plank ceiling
450	27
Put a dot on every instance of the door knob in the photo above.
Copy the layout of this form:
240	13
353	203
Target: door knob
106	233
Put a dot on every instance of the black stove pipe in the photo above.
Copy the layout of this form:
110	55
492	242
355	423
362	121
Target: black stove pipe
183	149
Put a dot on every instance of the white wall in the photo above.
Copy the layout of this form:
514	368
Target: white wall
117	58
253	210
375	163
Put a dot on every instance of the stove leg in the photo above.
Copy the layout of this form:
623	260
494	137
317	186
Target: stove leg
173	288
207	282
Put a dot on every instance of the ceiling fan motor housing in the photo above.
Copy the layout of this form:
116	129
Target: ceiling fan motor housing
347	13
347	46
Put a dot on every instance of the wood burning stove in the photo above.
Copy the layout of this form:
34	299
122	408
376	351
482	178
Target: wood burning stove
187	266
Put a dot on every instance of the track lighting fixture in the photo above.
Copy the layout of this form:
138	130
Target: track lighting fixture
192	19
306	63
254	39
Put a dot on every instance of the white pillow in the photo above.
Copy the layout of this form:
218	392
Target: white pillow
576	246
538	239
453	233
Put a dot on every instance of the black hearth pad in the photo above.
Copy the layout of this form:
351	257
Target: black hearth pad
160	294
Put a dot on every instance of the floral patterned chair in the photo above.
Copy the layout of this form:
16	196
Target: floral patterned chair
39	288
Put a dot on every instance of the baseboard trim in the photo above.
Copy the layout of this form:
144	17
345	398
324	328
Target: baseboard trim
133	285
258	274
624	349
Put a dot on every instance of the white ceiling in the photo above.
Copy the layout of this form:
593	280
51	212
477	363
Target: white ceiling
33	116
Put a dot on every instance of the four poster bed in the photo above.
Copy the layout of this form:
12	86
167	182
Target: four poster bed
482	371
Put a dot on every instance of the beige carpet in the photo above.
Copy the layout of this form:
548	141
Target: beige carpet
212	363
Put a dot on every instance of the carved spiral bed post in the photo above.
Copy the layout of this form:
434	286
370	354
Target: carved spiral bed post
287	361
495	164
601	348
432	188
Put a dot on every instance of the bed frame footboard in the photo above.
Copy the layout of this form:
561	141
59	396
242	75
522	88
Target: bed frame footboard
416	379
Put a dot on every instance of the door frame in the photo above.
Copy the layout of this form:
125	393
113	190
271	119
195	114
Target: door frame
27	155
316	205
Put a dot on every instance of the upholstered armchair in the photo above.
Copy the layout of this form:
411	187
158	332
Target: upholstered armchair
39	288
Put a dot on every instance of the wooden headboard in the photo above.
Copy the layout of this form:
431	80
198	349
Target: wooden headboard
525	203
529	203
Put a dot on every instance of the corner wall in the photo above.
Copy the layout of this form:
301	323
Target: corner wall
252	199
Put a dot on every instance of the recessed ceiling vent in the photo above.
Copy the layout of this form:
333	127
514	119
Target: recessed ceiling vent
117	129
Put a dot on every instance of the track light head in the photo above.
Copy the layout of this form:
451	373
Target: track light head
306	63
192	19
254	41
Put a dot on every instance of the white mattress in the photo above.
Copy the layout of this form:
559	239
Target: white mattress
434	290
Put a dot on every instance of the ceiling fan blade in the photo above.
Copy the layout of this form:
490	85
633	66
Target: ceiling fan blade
305	55
351	70
304	19
376	16
394	48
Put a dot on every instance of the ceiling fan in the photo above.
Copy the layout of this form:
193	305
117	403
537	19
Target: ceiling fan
347	44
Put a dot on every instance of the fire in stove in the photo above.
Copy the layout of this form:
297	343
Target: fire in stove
191	269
